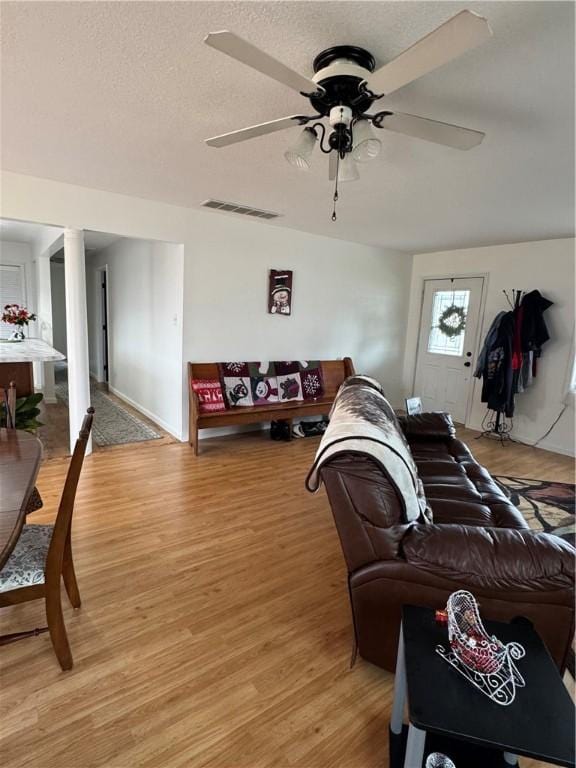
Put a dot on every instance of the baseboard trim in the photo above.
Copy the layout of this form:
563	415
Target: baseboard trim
145	412
544	445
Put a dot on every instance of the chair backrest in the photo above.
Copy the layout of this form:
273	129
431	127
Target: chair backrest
63	523
9	397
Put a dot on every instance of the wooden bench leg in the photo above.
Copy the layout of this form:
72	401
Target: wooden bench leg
194	439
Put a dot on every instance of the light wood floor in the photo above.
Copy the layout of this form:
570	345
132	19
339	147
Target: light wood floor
215	628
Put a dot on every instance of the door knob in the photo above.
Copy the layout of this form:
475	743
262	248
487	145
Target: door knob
467	365
468	354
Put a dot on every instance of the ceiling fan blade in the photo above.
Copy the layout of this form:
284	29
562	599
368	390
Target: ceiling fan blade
242	50
332	165
253	131
431	130
462	32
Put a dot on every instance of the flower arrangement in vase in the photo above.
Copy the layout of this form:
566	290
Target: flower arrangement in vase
18	316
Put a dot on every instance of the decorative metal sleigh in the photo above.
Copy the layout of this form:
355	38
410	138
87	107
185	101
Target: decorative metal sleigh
482	659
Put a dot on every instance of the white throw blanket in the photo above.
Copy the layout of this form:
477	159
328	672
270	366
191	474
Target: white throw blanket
362	421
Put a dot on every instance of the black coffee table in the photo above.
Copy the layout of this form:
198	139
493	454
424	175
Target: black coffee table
462	722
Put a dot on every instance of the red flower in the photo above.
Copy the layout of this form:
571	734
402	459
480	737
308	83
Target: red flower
14	314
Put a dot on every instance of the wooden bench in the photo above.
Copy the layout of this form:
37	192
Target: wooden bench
333	373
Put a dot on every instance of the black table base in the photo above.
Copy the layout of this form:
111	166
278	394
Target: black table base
463	755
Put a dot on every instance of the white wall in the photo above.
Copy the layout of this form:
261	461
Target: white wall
348	299
548	266
144	324
58	293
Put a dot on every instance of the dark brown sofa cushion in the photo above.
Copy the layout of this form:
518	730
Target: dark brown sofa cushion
428	426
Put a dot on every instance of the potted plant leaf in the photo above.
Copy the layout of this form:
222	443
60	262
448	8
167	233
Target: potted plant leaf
26	412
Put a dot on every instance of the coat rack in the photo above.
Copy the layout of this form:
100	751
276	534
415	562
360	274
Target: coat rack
516	296
496	426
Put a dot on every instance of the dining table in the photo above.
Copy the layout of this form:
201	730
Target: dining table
20	457
16	358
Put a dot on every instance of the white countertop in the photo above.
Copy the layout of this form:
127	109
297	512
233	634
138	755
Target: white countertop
28	351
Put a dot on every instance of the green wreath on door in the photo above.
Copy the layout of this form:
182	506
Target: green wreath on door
452	321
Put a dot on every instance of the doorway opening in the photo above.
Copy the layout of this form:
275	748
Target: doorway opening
102	357
447	341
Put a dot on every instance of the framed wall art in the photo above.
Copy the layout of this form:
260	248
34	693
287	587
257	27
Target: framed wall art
280	292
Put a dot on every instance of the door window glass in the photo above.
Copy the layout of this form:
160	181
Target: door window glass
447	329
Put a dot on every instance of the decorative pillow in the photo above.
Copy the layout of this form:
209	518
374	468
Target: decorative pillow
234	369
289	387
262	368
312	384
210	397
284	367
264	389
238	391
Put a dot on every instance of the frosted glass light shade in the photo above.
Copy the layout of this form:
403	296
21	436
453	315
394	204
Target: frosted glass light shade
300	152
366	145
348	170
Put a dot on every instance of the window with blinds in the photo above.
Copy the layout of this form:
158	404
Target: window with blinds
12	291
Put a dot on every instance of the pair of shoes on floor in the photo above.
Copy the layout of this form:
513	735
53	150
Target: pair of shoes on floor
280	430
297	431
309	428
313	428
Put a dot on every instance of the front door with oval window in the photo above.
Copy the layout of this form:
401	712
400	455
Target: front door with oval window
447	344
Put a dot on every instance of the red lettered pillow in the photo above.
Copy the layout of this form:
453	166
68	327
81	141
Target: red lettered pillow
210	397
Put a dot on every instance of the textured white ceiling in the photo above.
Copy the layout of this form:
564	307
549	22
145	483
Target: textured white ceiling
119	96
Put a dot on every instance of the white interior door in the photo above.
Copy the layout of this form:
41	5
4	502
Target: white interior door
444	364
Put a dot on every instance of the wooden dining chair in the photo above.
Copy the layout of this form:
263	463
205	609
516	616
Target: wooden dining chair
43	554
9	403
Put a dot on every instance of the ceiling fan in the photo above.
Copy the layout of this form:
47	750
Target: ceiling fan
343	89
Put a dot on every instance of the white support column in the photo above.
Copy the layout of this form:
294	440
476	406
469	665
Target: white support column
77	332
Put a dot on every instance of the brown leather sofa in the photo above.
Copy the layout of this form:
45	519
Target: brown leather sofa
478	541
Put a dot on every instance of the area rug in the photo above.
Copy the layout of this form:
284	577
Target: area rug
546	506
113	424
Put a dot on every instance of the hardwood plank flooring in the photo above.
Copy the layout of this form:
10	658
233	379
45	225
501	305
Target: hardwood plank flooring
215	628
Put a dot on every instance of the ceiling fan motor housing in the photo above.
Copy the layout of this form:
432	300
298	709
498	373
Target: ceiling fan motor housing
340	71
340	115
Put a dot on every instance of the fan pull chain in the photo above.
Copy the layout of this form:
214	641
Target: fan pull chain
335	198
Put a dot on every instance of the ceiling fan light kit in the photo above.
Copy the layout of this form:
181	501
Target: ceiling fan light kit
300	152
347	169
343	89
366	146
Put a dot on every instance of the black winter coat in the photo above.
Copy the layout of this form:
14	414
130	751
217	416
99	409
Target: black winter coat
497	386
534	332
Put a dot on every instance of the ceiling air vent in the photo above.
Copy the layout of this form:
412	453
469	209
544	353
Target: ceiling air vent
243	210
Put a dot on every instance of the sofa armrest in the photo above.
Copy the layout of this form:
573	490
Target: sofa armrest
492	558
428	426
